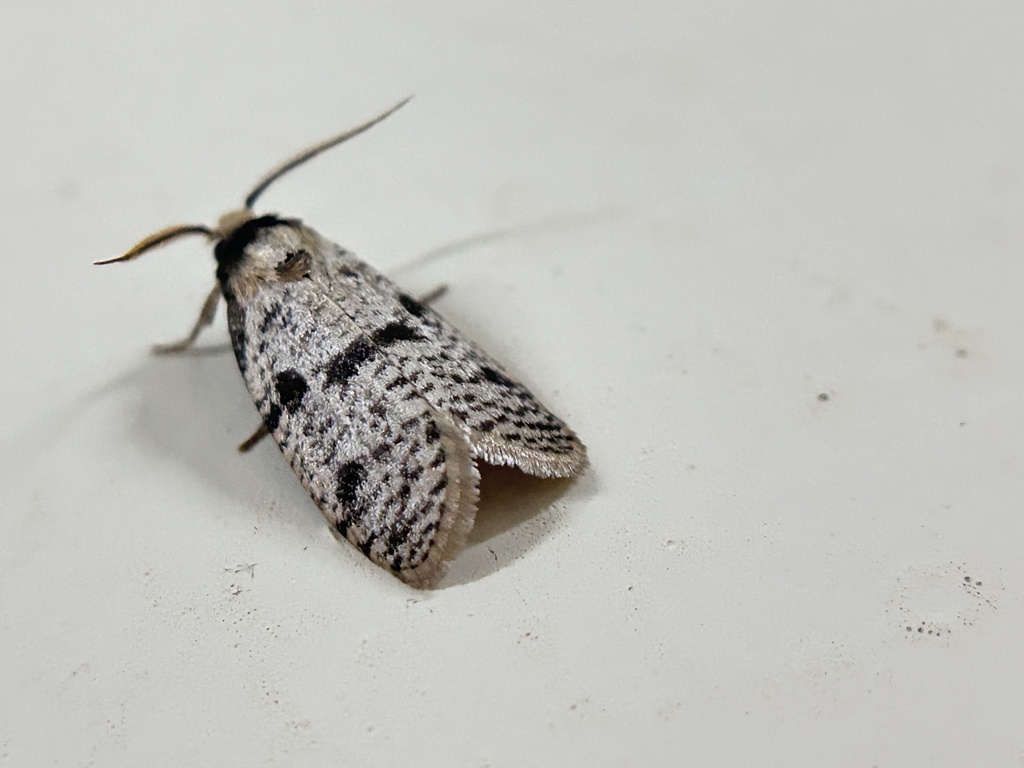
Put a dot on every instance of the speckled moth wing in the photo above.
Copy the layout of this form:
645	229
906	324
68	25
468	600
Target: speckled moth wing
504	422
392	474
379	405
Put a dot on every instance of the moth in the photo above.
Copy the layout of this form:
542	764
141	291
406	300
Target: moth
380	406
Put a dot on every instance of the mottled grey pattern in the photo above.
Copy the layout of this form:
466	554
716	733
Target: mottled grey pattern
377	402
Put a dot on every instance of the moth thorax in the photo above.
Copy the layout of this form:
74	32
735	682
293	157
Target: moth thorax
232	220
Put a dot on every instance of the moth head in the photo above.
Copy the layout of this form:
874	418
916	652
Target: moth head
230	222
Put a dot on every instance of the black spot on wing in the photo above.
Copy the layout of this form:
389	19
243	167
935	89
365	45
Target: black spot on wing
367	546
238	344
412	306
350	477
496	377
291	388
345	365
439	459
392	333
273	417
272	317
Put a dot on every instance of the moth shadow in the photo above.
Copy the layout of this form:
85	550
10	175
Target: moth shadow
514	515
553	224
194	410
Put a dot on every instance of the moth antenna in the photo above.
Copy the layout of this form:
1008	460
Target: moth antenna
162	237
316	149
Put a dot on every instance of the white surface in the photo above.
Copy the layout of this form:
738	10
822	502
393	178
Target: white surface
681	224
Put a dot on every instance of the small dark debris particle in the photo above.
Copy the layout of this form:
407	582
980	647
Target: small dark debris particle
967	579
961	352
823	397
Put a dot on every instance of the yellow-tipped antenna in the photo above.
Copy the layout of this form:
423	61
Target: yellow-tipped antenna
160	238
315	150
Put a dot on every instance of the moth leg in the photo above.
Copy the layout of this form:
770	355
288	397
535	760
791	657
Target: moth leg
206	315
433	294
254	438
